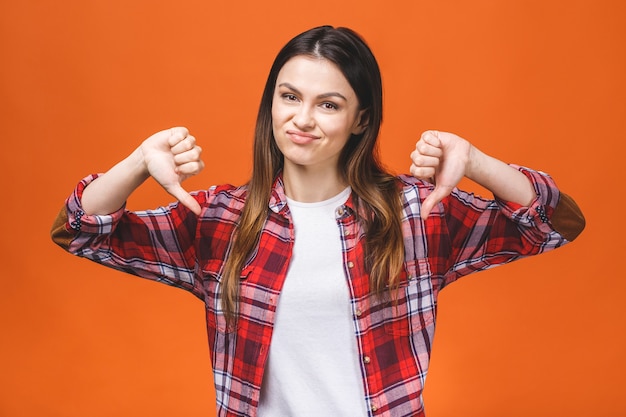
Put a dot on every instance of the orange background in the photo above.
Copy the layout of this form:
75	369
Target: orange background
539	83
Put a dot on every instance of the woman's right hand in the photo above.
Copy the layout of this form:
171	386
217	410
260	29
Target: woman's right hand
170	157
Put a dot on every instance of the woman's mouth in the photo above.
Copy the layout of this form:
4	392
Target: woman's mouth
301	138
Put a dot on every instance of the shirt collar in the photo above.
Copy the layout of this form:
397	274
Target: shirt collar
278	199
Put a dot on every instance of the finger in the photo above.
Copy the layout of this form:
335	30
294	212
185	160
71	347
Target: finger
185	198
431	137
422	172
435	197
177	134
192	155
429	146
190	168
184	145
424	160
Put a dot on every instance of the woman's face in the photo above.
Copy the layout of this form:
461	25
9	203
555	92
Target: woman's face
314	112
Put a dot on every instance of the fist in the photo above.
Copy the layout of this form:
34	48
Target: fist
440	158
171	156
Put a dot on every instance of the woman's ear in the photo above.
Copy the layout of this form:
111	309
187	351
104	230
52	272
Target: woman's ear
361	122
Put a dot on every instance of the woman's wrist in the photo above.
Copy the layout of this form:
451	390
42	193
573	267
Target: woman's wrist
109	192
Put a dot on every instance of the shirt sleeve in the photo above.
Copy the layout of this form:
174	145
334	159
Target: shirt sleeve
485	233
155	244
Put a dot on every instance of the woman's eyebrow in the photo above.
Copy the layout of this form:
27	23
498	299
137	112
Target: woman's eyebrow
325	95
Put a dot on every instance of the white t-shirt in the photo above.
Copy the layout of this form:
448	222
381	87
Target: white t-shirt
313	367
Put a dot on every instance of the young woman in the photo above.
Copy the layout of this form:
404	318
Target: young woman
321	275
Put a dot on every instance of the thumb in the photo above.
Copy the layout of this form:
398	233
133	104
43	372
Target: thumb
179	193
439	193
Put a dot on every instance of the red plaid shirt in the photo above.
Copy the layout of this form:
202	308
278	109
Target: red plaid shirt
464	234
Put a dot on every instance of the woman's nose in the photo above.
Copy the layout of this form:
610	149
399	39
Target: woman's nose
303	119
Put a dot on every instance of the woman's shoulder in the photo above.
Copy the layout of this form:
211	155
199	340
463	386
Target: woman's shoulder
406	182
225	194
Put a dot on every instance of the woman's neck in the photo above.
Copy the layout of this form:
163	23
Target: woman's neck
309	186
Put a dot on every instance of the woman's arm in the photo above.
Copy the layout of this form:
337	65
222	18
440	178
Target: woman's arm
169	156
155	244
444	159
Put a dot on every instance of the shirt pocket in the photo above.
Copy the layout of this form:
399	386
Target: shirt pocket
413	308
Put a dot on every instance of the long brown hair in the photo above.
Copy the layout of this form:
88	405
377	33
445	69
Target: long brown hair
377	195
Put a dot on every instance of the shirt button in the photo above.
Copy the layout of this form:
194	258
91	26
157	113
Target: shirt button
340	211
358	312
366	359
350	264
374	408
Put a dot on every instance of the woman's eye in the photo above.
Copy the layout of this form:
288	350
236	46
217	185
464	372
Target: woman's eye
290	97
329	106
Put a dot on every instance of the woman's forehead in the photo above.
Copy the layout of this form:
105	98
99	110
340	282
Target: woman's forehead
315	76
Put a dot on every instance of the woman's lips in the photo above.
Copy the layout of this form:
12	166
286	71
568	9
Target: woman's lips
301	138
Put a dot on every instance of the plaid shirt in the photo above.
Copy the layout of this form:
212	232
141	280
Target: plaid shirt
463	234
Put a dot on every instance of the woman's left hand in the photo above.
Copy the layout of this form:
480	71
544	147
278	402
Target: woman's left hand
442	159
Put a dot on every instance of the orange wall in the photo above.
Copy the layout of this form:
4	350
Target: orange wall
533	82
